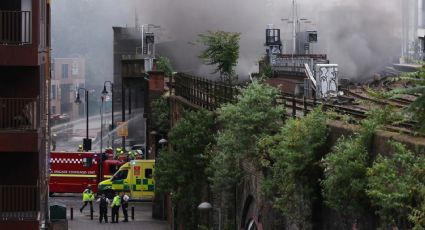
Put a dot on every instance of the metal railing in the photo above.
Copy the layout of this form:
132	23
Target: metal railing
202	92
19	113
15	27
19	202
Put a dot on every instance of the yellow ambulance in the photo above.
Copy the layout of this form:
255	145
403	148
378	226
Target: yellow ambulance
134	177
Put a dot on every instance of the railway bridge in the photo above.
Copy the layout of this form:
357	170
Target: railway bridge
195	93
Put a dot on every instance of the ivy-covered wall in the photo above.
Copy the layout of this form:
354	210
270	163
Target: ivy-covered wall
324	217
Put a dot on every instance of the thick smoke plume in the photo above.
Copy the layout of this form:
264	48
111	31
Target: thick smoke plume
361	36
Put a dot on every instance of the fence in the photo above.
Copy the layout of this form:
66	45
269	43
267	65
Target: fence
202	92
18	202
15	27
18	113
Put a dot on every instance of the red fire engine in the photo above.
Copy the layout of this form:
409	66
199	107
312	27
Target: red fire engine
71	172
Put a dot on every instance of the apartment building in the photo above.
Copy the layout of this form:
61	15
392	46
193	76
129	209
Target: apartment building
25	74
68	74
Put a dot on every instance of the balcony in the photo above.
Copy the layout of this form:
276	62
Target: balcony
15	27
19	202
18	114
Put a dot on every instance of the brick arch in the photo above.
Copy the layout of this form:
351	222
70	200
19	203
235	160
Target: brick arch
247	204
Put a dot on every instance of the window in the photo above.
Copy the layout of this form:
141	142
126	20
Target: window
74	69
113	168
64	71
87	162
53	92
120	175
148	173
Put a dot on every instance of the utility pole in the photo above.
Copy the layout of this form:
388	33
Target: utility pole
293	30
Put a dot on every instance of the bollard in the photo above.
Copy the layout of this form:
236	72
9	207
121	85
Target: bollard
72	213
132	212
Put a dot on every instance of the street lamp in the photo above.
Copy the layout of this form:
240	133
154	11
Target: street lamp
205	206
86	141
162	142
104	93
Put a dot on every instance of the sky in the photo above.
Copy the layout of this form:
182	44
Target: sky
361	36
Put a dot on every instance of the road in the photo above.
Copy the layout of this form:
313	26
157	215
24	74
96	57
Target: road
143	217
69	135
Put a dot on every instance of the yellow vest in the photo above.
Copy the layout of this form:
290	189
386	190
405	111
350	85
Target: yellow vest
88	195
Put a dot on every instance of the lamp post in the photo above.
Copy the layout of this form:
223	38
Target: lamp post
86	142
162	142
205	206
104	93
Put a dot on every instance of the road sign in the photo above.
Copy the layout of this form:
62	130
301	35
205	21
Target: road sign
122	129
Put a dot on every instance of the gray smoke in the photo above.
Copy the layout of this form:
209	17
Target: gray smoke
361	35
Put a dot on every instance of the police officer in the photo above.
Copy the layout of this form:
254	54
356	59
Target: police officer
116	203
103	208
88	197
124	205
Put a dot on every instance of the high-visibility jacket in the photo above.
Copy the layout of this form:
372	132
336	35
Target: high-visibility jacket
88	195
116	202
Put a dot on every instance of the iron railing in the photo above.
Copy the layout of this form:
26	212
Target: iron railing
15	27
18	113
19	202
202	92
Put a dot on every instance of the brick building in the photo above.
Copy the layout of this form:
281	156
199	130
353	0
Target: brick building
68	74
25	73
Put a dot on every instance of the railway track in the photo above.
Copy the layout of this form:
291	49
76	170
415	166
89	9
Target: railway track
300	107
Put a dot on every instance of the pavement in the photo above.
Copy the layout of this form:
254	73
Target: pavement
81	221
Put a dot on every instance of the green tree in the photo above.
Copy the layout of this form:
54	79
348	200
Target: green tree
394	185
254	116
241	125
163	64
222	50
160	111
345	182
181	171
294	171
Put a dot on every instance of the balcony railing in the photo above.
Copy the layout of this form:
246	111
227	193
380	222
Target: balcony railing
19	202
18	113
15	27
